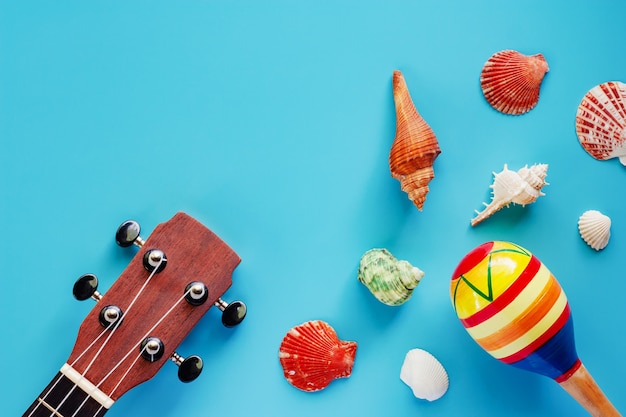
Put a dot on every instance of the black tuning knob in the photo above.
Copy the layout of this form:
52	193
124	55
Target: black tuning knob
86	287
128	234
233	313
188	368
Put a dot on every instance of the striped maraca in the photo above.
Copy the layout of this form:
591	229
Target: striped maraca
515	309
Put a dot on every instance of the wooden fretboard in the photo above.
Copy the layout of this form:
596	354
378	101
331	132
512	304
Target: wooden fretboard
63	398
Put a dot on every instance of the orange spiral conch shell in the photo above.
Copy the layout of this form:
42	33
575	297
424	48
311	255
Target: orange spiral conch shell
511	81
414	148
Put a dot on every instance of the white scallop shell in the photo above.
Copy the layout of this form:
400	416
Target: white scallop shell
601	121
519	187
595	229
424	374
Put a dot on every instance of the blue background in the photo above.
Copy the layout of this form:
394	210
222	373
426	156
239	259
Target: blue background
271	123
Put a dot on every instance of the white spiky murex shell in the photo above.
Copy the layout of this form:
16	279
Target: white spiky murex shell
519	187
424	374
595	229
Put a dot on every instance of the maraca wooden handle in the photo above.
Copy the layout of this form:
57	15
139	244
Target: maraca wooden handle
582	387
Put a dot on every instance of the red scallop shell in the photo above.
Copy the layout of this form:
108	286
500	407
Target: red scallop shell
312	356
601	121
511	81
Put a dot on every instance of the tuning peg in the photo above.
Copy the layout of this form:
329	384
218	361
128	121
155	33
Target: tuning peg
128	234
233	313
154	260
189	368
196	293
152	349
86	287
110	317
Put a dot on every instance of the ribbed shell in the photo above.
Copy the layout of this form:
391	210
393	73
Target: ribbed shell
601	121
390	280
414	148
424	374
511	81
595	229
312	356
521	187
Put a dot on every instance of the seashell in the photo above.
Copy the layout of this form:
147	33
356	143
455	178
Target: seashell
414	148
511	81
595	229
390	280
601	121
424	374
312	356
521	187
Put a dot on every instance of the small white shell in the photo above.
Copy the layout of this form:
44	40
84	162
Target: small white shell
424	374
519	187
595	229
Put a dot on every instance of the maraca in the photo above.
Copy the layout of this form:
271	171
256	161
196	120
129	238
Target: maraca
515	309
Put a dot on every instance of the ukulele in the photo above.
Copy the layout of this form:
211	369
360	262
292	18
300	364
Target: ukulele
179	272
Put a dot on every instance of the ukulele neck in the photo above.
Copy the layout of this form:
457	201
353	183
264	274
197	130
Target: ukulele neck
69	394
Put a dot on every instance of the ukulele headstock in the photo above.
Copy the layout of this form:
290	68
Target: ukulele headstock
178	273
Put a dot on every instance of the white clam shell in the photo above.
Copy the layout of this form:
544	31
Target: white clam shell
424	374
595	229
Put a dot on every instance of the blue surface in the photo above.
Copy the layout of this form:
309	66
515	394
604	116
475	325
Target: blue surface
271	123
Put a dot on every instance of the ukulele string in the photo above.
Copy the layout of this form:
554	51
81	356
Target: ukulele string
113	330
147	334
46	395
119	363
43	399
104	331
124	376
127	370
